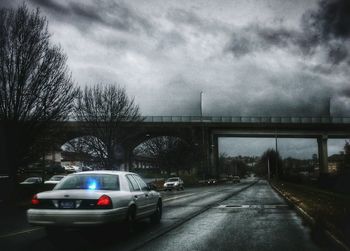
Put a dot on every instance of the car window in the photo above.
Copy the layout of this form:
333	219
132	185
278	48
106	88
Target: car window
133	185
142	184
90	182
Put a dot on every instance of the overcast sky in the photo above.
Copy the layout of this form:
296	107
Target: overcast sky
249	57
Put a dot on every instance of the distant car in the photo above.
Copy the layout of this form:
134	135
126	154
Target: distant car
32	181
71	169
95	198
236	179
174	183
54	179
212	181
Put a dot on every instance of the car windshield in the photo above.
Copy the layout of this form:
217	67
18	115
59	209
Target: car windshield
56	178
173	179
90	182
31	179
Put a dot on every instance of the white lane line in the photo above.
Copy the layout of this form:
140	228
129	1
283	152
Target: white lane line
178	197
20	232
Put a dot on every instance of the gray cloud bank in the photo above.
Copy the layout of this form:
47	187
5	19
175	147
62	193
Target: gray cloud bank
327	27
258	58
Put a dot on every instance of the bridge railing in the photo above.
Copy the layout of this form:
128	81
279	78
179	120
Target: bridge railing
247	119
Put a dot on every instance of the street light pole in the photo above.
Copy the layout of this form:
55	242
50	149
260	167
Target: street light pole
203	150
329	106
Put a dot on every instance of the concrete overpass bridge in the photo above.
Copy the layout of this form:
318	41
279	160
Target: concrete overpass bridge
203	132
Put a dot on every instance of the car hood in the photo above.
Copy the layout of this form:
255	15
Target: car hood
171	183
73	194
51	182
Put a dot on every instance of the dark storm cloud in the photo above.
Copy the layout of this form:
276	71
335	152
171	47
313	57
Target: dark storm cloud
111	14
332	19
328	26
337	53
179	95
257	38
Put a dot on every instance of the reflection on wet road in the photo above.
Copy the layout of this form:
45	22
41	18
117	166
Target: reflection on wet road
244	216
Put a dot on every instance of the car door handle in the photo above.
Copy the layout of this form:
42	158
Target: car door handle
146	194
135	196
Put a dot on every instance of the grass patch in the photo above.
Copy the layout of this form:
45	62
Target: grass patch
329	209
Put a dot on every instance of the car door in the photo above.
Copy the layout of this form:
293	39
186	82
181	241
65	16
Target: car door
151	199
137	195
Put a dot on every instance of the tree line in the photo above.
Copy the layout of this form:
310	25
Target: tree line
37	93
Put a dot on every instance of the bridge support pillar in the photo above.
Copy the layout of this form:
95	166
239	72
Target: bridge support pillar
202	138
214	155
323	153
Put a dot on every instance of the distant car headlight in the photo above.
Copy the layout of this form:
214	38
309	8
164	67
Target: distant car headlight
176	184
165	184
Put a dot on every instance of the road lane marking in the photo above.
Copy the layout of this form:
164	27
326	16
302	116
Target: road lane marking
20	232
277	206
178	197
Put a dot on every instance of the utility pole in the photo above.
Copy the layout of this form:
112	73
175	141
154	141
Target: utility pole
201	101
268	169
276	148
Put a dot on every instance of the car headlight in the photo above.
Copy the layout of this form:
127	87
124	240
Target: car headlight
176	183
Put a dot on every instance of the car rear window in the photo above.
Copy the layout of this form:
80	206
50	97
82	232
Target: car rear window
90	182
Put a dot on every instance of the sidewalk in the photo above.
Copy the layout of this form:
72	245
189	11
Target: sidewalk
328	210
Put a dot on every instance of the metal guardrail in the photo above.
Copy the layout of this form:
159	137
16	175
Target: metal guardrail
244	119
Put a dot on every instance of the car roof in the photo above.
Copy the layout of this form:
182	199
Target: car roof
104	172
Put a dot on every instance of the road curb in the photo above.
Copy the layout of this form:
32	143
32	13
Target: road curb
138	245
310	220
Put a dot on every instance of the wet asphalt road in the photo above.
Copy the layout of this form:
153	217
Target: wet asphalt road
244	216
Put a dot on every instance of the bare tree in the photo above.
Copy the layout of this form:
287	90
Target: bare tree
35	88
272	160
171	153
104	108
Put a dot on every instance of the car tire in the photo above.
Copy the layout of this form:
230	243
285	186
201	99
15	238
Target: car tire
130	220
157	215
